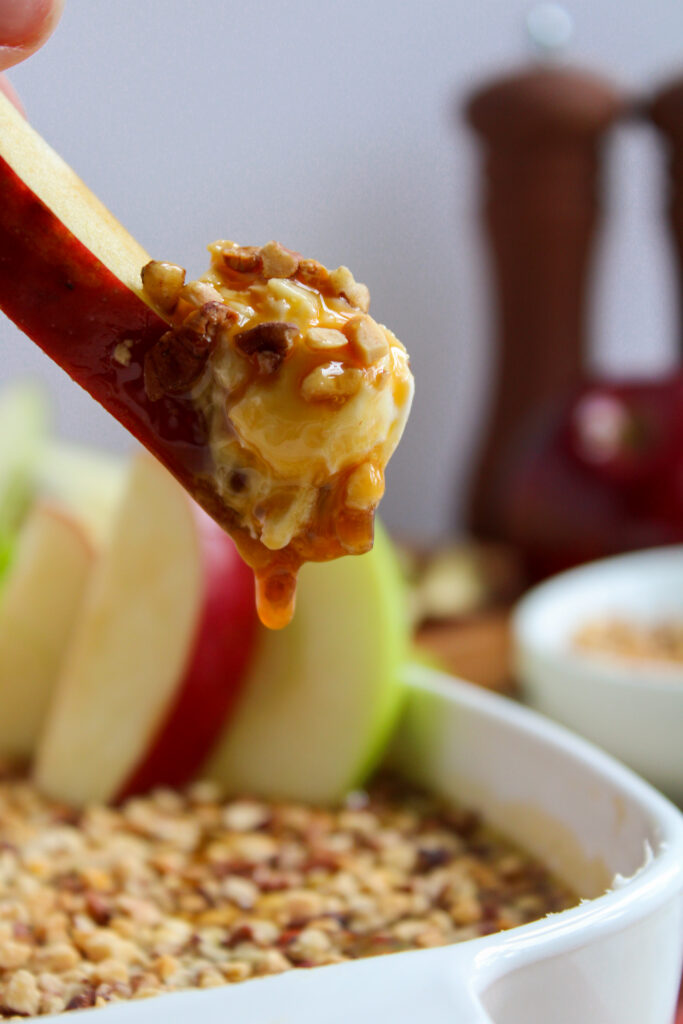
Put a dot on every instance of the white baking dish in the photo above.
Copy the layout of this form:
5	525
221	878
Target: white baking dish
615	959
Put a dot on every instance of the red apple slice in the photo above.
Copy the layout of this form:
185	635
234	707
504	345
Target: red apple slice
70	279
40	603
158	654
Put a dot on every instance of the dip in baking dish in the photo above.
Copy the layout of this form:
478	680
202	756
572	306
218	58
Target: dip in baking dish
173	891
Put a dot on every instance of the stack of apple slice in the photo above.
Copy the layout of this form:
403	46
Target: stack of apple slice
131	655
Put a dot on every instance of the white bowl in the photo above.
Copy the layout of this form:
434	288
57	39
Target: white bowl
614	959
633	710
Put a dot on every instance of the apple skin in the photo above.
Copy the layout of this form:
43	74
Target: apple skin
216	667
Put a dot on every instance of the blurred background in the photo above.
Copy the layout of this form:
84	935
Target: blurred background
338	129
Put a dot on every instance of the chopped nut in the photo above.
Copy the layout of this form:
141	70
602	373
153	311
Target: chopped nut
21	994
198	293
178	359
367	338
58	957
162	282
210	978
242	259
245	815
122	353
320	338
344	283
111	971
311	942
240	891
365	486
166	966
331	381
236	970
277	261
267	343
82	1000
14	954
104	944
272	961
313	274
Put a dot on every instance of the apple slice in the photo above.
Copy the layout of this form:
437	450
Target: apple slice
70	279
323	694
38	609
22	428
158	654
88	482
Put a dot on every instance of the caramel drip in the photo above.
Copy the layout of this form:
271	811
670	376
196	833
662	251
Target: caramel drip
335	531
275	595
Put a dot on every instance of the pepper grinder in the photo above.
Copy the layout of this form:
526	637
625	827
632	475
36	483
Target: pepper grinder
542	131
666	113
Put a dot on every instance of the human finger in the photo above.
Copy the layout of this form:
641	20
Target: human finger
24	27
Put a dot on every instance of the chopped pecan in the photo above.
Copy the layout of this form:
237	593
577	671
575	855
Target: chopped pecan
82	999
314	274
178	359
243	259
267	344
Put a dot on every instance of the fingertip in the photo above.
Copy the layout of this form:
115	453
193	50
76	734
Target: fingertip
24	26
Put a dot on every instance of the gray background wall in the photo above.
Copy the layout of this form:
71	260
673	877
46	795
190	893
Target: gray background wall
333	127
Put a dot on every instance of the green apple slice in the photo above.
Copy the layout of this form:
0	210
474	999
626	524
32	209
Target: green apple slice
22	433
323	693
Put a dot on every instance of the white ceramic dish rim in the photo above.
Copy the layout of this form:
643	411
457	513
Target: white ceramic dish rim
647	675
451	978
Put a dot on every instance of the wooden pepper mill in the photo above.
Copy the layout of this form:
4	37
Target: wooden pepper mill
542	131
666	112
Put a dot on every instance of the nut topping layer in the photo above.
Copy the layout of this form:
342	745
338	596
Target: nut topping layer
175	891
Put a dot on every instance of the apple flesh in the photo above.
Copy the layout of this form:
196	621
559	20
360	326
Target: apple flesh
158	654
87	482
40	604
322	694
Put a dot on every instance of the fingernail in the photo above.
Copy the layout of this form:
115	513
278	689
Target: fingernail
22	20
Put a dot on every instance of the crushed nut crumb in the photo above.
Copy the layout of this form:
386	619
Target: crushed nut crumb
276	261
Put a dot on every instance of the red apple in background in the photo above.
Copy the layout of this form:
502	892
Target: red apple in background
604	475
158	654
